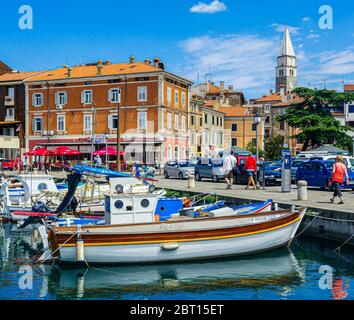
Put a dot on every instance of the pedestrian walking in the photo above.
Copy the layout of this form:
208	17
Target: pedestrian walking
17	164
230	163
339	171
25	163
251	168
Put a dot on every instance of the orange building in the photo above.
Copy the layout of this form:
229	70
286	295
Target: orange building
240	129
78	107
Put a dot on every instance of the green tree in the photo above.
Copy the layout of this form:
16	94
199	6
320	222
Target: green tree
316	123
273	148
253	149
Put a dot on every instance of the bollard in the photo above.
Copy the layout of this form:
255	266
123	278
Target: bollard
80	246
302	190
191	181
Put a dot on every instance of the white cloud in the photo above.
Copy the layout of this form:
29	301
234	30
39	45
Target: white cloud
213	7
313	36
281	28
306	19
327	68
245	61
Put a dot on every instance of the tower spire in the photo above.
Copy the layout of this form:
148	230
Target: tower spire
287	48
286	70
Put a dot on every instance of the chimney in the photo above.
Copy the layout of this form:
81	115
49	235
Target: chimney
99	67
222	85
271	91
156	62
69	71
231	88
108	62
147	61
132	59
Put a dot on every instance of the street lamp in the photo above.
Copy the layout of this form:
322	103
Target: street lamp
257	119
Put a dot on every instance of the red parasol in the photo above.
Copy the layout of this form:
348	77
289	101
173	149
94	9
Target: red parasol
38	152
110	151
63	151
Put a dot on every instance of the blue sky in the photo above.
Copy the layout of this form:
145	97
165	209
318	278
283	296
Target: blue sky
237	39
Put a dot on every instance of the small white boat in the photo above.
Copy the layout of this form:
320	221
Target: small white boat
26	192
132	235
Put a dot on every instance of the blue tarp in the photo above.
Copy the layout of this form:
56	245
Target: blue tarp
100	171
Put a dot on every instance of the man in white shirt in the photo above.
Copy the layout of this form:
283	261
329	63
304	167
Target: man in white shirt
230	163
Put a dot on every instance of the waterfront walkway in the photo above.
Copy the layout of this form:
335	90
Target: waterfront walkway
317	199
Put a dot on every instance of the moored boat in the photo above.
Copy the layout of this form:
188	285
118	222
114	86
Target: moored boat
175	240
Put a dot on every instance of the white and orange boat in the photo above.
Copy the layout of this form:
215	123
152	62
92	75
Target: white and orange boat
175	240
133	236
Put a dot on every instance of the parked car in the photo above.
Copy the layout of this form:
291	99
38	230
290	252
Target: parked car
7	164
347	160
178	169
294	166
272	177
209	168
318	173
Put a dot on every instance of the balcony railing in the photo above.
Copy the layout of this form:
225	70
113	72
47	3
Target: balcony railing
9	101
9	118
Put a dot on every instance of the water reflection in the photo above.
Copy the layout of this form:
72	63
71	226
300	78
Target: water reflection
281	270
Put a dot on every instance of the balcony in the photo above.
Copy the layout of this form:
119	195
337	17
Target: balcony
9	101
9	118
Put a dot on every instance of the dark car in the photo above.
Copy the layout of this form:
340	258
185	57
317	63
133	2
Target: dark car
209	168
294	166
272	177
318	173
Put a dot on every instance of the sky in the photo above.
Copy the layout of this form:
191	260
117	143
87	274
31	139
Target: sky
235	41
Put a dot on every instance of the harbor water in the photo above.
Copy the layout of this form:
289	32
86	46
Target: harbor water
308	270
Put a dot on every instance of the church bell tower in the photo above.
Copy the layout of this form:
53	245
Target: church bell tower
286	70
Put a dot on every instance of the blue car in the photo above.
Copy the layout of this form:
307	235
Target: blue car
208	168
318	173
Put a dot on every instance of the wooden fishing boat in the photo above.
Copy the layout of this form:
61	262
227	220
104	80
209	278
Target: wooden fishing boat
174	240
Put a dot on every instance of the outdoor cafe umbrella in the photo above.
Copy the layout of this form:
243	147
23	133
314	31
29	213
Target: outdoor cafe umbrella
110	151
64	151
38	152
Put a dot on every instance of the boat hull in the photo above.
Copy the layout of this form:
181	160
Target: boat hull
174	247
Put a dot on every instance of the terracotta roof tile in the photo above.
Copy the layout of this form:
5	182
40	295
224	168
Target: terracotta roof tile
235	112
91	71
18	76
349	87
273	97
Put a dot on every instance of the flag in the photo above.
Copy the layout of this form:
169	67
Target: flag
19	128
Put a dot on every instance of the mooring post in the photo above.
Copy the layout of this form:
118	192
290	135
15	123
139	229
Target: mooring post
302	190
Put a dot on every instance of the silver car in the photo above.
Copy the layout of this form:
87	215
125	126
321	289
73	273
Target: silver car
178	169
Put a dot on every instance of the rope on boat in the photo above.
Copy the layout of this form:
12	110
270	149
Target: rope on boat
308	226
51	254
331	219
337	250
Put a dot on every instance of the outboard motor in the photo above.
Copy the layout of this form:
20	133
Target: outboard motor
40	207
30	220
